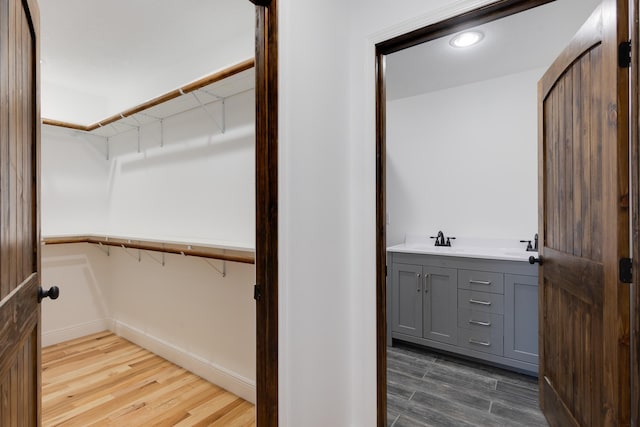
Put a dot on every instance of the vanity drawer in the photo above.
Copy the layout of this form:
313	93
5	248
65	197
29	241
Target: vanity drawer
480	301
486	341
483	281
479	320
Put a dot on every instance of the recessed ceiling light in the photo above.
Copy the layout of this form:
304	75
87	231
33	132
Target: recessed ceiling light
466	39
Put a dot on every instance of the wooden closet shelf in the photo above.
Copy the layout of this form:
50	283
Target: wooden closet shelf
236	255
188	88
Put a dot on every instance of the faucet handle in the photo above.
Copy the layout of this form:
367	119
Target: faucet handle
528	242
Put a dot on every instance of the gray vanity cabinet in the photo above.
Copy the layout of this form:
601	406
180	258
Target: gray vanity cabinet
521	317
406	299
481	308
424	300
440	300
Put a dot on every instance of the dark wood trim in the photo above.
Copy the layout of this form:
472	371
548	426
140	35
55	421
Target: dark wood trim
198	84
33	10
211	252
615	216
482	15
635	196
475	17
381	240
267	213
261	2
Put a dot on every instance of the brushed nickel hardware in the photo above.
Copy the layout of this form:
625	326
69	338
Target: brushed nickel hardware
475	301
418	282
477	322
479	282
484	343
426	282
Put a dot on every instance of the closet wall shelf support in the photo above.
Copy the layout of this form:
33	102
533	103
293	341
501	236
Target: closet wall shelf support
209	113
104	248
159	261
245	256
223	271
139	257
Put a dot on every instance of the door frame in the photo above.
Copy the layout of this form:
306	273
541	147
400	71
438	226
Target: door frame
481	15
266	168
635	214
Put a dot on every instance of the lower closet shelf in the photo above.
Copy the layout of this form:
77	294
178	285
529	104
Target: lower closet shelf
221	252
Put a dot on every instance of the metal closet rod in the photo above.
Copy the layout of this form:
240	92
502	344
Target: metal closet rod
198	84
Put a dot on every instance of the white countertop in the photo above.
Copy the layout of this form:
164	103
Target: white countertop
499	249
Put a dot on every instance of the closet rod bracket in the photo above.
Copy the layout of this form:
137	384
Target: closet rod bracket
160	261
139	257
223	271
104	248
213	119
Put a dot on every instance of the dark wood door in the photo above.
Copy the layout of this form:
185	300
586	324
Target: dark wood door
584	223
19	229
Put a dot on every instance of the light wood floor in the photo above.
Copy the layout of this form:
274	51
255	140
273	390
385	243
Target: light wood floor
103	380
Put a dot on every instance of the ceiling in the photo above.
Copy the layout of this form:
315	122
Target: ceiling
102	57
524	41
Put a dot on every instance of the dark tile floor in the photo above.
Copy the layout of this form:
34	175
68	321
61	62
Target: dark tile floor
425	388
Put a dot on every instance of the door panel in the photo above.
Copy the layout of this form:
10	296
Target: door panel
19	223
584	224
407	297
440	304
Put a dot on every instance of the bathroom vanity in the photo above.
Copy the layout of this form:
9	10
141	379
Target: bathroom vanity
477	298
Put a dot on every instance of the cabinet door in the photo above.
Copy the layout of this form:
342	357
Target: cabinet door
440	305
521	318
407	299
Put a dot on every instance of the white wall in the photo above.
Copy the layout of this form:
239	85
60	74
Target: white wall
327	202
184	311
464	160
315	330
74	177
82	272
188	313
197	188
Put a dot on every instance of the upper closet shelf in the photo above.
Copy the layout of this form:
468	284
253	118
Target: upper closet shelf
223	251
201	93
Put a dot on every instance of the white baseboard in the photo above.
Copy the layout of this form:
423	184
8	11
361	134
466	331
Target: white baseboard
222	377
76	331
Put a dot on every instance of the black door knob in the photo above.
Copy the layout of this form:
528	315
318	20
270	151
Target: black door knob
533	260
53	293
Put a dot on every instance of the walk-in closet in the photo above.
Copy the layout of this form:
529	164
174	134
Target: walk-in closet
148	224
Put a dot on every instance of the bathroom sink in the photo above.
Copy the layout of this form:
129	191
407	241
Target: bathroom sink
505	249
434	249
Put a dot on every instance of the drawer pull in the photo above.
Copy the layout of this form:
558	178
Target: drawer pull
475	301
477	322
479	282
484	343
